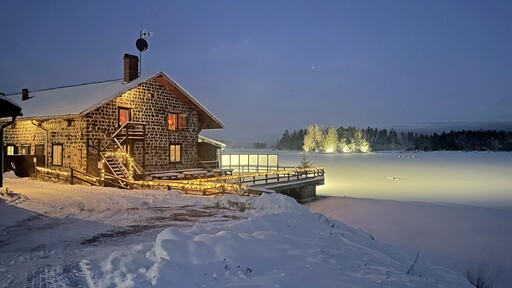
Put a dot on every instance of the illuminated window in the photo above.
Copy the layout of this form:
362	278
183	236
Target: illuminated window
177	121
174	153
57	154
10	149
25	150
124	115
172	121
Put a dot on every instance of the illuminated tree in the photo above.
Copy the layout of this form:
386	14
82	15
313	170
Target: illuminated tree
343	146
364	146
313	139
360	143
330	140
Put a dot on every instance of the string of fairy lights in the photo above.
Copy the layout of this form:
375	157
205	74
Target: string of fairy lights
217	184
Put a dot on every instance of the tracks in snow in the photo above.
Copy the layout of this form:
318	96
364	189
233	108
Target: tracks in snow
43	251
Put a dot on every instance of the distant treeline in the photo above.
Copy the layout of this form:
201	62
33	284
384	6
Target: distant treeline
351	138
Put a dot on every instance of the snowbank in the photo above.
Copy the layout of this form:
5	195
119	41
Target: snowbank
280	245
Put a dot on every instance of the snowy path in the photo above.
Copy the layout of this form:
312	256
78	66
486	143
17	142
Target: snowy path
50	229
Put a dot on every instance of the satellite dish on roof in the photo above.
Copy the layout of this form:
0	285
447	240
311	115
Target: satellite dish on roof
142	44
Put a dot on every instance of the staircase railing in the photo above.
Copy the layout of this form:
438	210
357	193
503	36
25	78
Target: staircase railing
130	130
118	161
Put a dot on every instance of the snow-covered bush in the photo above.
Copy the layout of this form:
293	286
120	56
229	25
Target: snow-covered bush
481	275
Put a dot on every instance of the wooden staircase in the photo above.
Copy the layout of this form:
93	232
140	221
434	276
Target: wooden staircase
116	159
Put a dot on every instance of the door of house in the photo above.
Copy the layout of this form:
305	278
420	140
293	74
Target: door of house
128	148
40	157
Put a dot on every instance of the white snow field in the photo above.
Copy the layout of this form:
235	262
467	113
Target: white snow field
475	178
58	235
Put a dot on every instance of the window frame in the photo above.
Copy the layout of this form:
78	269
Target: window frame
28	146
179	155
180	118
61	154
119	109
169	122
12	146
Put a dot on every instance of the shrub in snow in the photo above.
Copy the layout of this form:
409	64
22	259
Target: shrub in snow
8	192
481	275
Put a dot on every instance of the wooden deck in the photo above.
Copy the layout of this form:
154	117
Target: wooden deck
299	183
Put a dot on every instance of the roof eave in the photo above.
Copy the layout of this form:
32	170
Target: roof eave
51	117
210	141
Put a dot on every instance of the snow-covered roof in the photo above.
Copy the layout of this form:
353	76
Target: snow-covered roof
80	99
201	138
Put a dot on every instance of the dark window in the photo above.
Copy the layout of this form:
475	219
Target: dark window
25	150
57	154
182	121
174	153
124	115
70	122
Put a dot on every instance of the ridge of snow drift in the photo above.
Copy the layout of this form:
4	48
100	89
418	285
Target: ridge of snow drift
281	244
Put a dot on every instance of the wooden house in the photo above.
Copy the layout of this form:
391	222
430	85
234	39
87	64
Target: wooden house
136	123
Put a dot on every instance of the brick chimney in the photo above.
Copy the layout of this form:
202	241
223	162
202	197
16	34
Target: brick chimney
24	94
131	67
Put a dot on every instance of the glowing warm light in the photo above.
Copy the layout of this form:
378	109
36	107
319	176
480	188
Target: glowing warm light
45	170
121	156
364	149
213	184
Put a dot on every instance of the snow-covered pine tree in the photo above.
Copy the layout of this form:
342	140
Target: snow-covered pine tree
304	161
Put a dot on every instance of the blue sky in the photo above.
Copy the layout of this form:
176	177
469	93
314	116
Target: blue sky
265	66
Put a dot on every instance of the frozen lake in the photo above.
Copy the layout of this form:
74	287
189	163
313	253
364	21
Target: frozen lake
476	178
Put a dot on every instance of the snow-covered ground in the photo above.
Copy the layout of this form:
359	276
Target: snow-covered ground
57	235
46	229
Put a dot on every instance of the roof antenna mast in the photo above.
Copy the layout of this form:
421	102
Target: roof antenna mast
142	45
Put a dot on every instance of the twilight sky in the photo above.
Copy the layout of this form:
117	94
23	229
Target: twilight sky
268	65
